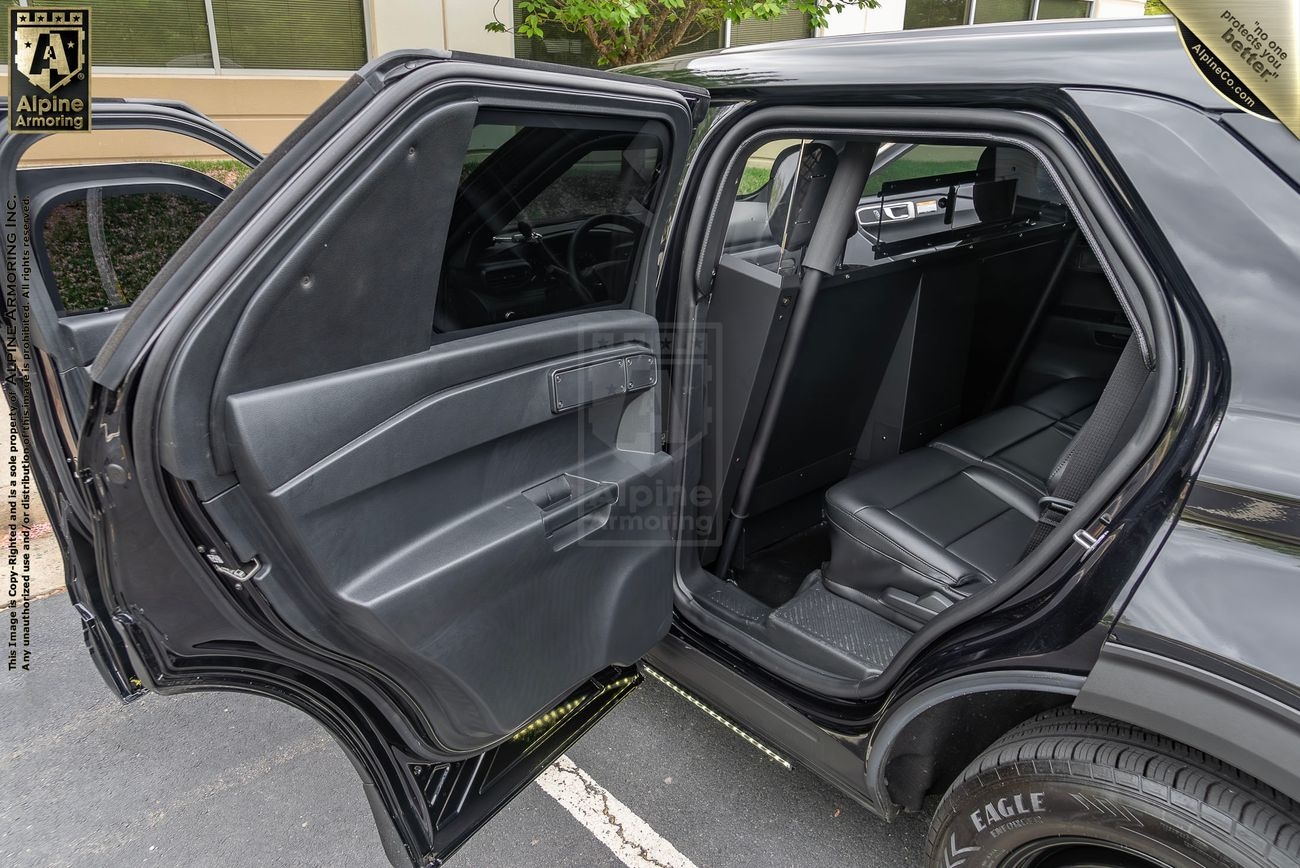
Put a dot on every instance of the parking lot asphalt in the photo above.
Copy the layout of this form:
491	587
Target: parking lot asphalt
224	780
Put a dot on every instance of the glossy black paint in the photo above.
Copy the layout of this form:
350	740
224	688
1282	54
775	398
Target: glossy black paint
1228	270
1221	594
1036	60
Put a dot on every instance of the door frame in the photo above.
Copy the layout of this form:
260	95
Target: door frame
1123	248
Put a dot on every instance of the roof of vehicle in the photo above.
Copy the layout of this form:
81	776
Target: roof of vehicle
1133	54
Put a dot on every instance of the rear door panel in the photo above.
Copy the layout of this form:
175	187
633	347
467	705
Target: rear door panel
447	546
466	508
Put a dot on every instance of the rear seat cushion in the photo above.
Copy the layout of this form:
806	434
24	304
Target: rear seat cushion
954	516
929	520
1027	440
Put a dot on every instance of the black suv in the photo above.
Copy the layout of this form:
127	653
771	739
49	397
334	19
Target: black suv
943	441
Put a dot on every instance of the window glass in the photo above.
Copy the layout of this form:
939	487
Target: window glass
758	168
594	184
547	219
1064	9
933	13
4	9
922	161
103	249
992	11
769	222
934	195
145	32
791	24
290	34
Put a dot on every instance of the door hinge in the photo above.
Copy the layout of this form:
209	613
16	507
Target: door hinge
238	572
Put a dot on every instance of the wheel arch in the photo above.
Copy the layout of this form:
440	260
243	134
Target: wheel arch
924	741
1214	713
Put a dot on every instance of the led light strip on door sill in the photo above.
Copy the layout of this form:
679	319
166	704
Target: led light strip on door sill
755	743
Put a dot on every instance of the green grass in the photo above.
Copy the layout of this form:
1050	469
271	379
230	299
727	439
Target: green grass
753	179
141	232
229	172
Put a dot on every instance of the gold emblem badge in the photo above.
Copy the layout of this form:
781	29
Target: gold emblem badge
50	46
49	70
1246	49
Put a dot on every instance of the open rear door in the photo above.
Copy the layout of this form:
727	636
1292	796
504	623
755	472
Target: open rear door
81	241
384	440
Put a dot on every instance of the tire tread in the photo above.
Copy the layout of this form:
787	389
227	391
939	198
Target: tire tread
1088	746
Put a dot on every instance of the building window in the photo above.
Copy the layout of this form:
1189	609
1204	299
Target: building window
946	13
559	45
248	34
933	13
993	11
145	32
290	34
791	25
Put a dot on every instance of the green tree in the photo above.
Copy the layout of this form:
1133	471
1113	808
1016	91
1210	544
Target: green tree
637	31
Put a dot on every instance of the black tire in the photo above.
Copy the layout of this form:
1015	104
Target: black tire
1073	789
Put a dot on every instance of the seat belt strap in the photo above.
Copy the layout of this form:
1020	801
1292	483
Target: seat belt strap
1092	447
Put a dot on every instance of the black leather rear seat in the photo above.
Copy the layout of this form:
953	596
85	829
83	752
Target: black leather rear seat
914	535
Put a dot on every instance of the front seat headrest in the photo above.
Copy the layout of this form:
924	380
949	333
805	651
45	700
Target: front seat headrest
801	175
1012	183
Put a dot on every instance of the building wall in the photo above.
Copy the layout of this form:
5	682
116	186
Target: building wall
1118	9
262	108
884	18
888	16
456	25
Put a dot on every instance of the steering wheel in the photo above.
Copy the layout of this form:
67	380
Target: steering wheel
578	277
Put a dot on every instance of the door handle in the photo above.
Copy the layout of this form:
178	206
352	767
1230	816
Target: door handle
567	499
871	216
577	506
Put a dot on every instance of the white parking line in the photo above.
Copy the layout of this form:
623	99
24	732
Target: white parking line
628	836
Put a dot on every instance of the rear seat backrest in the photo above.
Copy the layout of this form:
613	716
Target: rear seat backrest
914	535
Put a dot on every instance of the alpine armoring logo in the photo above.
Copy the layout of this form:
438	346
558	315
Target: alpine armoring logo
49	70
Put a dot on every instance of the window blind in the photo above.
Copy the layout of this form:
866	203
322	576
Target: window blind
990	11
793	24
144	32
290	34
933	13
1064	9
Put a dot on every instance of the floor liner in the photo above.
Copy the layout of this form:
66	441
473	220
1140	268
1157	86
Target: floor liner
775	573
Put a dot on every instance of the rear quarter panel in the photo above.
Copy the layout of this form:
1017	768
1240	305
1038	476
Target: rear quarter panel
1207	648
